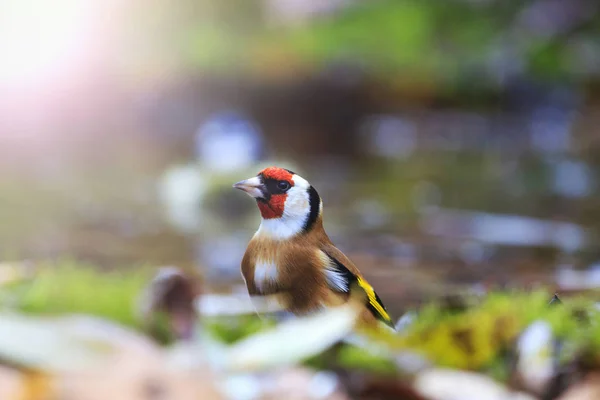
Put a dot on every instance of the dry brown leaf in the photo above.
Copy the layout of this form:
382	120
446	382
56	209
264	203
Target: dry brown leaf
134	375
589	389
11	383
21	385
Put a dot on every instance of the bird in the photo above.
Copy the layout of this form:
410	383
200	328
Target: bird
291	256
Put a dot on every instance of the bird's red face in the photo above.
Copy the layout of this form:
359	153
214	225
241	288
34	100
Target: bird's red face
270	189
289	205
277	181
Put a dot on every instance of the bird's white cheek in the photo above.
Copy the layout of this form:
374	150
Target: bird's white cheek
296	207
297	203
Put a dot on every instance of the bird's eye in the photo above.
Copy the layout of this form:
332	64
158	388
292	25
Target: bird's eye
283	185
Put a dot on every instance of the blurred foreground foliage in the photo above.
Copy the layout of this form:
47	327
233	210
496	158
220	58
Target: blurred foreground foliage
479	334
475	337
68	286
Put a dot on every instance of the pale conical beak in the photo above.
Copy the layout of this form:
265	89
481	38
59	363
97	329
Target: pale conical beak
253	186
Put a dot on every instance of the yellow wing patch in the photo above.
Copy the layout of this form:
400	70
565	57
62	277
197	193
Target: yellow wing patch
342	279
373	298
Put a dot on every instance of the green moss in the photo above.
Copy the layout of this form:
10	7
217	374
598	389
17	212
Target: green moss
353	357
479	337
69	287
233	329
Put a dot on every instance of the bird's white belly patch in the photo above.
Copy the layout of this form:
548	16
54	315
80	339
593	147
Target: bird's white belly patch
265	273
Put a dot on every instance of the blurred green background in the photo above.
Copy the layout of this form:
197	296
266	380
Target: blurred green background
453	142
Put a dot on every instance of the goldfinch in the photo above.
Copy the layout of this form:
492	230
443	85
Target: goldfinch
291	255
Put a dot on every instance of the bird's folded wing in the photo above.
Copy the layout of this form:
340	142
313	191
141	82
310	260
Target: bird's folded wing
341	276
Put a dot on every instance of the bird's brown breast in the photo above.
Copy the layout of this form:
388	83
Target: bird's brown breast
294	267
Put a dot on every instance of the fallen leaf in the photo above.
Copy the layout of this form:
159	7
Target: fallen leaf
446	384
294	340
